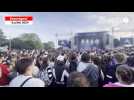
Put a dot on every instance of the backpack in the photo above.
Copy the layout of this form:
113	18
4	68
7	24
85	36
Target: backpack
57	79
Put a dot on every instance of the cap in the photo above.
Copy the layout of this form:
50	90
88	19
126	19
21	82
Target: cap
60	58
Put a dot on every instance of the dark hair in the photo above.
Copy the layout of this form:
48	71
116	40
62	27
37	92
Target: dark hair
23	64
62	53
130	61
125	73
96	60
85	57
77	79
72	56
52	59
120	58
45	63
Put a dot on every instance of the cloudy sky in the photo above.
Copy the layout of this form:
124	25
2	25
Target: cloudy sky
47	24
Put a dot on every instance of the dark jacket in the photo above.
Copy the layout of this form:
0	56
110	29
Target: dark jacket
92	73
111	71
59	68
72	66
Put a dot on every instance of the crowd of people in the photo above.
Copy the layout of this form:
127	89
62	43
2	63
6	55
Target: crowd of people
67	68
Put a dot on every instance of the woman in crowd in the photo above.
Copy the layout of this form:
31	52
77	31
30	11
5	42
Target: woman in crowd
46	72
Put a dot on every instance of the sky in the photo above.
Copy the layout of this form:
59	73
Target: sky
47	24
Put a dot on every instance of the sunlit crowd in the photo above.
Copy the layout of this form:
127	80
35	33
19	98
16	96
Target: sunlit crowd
67	68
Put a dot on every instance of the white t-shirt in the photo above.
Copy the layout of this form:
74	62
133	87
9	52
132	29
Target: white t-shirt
35	71
82	66
33	82
60	58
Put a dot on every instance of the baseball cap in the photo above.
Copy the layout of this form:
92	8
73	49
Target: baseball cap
60	58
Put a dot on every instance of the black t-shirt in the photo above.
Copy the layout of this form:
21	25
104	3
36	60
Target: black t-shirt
72	66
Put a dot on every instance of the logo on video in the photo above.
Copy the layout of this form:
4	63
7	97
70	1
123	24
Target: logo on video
18	20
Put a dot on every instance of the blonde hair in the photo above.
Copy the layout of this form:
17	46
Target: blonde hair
120	58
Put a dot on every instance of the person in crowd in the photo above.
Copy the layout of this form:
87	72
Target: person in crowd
130	61
13	73
60	72
77	79
84	62
52	61
46	72
90	70
35	69
73	63
125	77
4	72
39	62
25	79
116	60
97	61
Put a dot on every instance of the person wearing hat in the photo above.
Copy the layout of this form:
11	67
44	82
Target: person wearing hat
60	72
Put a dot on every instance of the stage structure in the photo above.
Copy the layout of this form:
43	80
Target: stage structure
88	40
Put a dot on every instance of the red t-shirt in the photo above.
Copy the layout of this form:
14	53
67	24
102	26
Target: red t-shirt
4	74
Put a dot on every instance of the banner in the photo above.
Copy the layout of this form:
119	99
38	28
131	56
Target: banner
18	20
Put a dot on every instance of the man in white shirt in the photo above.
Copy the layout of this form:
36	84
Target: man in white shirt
25	68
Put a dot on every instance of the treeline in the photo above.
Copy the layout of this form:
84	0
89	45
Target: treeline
25	41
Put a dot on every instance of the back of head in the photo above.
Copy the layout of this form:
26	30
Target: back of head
85	57
120	58
130	61
60	60
23	64
125	74
77	79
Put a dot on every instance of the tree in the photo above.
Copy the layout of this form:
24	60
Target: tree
49	45
18	44
32	40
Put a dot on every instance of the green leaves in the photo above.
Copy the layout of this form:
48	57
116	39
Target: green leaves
49	45
27	41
